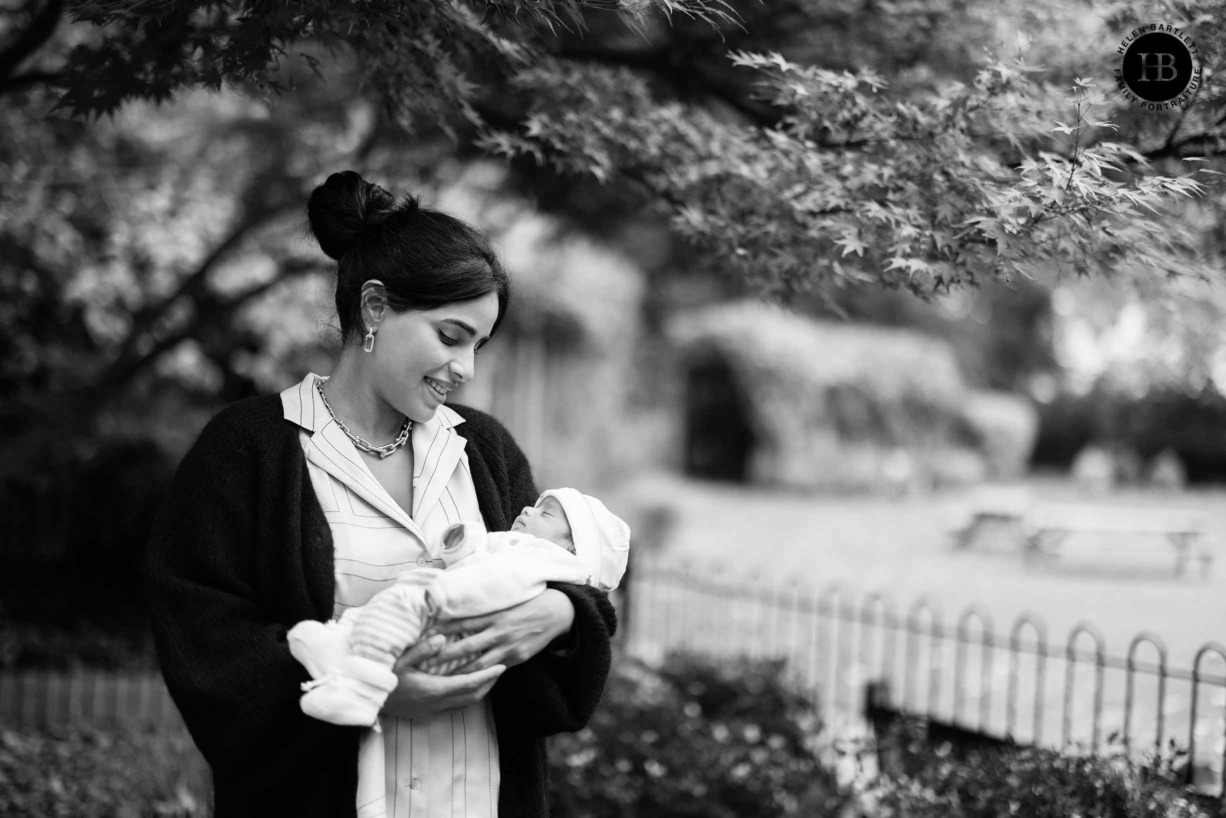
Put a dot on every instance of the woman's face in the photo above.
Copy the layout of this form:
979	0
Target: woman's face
421	355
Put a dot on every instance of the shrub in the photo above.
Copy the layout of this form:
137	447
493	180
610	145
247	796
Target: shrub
936	782
692	737
70	591
834	406
61	616
79	644
1192	427
815	391
85	773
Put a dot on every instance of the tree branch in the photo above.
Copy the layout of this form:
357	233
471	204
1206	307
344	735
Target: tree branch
1202	144
193	286
662	63
20	82
115	377
144	318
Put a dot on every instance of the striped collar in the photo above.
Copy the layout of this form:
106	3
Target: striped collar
438	450
301	404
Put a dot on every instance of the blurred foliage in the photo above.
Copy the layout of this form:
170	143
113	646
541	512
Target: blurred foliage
1190	425
74	637
923	779
809	145
1006	427
88	514
119	238
86	773
691	737
837	406
687	736
854	168
1001	332
1139	334
153	265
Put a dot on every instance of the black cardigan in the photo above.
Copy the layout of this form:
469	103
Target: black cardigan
241	551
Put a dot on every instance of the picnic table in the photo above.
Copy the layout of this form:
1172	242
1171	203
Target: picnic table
1054	529
997	516
1047	531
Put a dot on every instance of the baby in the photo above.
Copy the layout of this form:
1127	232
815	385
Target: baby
350	659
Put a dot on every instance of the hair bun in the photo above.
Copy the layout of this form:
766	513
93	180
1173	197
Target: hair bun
343	207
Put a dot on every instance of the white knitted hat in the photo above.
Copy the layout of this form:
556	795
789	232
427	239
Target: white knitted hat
602	539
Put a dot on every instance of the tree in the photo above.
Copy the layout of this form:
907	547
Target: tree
802	146
806	149
133	252
809	149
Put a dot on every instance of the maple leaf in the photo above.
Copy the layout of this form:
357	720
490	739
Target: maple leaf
851	243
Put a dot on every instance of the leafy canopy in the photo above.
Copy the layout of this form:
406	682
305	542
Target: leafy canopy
801	146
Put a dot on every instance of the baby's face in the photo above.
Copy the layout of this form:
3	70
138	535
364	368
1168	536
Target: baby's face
545	520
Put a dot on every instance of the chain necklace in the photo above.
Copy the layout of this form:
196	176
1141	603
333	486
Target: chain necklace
359	441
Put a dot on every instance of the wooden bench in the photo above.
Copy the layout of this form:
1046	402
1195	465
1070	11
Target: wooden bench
1055	529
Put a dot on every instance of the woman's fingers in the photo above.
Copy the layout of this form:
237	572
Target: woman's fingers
473	664
482	682
455	686
421	694
471	646
511	636
420	651
486	687
463	627
466	688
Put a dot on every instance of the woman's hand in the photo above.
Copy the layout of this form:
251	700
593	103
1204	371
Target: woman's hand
509	637
422	694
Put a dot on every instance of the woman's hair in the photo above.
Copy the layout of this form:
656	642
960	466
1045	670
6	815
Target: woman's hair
424	258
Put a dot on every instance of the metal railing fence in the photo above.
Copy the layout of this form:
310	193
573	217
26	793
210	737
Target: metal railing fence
1017	685
85	698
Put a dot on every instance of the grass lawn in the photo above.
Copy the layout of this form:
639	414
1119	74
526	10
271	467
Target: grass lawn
905	547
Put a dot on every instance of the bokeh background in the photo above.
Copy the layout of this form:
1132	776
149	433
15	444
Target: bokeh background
819	295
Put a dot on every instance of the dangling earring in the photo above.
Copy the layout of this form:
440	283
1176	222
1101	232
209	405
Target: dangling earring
369	345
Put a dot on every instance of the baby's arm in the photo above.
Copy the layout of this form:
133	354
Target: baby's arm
512	568
507	568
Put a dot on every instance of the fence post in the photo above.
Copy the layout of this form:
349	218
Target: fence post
794	634
887	624
1129	680
758	593
985	662
778	604
814	646
1040	675
935	634
839	609
1071	659
1205	650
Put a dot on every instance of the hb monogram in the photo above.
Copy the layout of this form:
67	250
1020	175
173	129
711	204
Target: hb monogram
1163	62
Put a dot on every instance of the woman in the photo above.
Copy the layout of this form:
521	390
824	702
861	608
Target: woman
296	506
